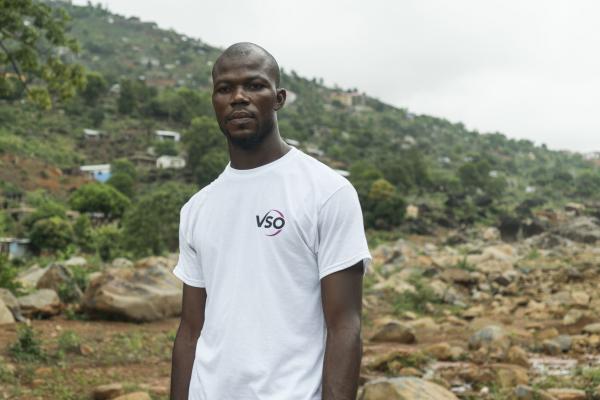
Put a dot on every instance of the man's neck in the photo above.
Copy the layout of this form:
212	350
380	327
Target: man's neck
272	148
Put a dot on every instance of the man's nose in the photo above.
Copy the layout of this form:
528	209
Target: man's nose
239	96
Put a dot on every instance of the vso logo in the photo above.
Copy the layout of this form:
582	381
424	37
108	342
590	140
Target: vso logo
273	221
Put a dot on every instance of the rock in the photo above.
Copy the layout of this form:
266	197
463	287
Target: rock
75	262
548	333
405	388
572	316
85	349
6	317
592	328
491	234
12	303
395	331
551	347
509	375
30	277
121	262
44	302
457	275
581	229
523	392
565	342
155	261
146	294
56	276
490	336
516	355
107	392
568	394
580	298
134	396
440	351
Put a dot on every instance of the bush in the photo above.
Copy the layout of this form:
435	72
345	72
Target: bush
52	233
97	197
7	275
152	225
108	240
28	347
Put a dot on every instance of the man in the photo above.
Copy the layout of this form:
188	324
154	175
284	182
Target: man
272	255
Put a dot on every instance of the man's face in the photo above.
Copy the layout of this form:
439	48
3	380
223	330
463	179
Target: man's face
245	99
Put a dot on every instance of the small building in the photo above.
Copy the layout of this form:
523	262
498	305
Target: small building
99	172
14	247
172	162
292	142
342	172
92	134
314	151
143	160
167	135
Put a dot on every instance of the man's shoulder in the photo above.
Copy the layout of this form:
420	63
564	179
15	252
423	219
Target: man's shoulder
321	172
199	197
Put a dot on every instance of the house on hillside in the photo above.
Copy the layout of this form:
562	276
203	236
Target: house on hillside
143	160
167	135
99	172
292	142
342	172
19	213
170	162
14	247
92	134
314	150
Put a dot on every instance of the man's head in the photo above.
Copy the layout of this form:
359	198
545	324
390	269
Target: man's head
246	94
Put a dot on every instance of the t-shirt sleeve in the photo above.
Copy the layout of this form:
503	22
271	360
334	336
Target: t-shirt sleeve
341	235
188	268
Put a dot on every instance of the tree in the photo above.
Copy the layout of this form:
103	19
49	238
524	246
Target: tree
151	226
98	197
123	182
95	87
32	44
206	154
52	233
384	208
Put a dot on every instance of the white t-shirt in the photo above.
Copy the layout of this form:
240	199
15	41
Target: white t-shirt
259	240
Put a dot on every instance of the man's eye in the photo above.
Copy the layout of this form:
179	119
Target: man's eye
256	86
222	89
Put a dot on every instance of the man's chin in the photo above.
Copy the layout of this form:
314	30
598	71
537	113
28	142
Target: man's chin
245	139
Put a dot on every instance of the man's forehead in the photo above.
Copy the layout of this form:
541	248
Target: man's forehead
232	67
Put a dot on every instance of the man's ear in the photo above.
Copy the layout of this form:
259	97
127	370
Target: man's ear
281	96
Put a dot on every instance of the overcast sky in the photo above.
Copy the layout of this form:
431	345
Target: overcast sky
528	69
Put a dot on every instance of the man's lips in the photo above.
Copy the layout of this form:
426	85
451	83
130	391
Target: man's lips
239	115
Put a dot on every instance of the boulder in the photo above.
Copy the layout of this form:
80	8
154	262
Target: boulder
6	317
30	277
56	276
405	388
395	331
568	394
154	261
43	302
148	293
121	262
134	396
75	262
107	392
12	303
489	336
581	229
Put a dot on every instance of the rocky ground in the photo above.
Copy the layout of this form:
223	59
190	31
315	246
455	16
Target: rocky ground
457	315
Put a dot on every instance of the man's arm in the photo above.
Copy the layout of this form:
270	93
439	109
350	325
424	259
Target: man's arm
341	293
184	348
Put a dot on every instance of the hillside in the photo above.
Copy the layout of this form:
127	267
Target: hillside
149	79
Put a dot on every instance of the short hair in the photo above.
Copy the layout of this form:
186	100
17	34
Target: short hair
243	49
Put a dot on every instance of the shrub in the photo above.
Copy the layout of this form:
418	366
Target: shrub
52	233
27	347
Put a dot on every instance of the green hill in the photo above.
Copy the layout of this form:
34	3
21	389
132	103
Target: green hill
144	79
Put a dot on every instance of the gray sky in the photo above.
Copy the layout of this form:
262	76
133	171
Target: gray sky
528	69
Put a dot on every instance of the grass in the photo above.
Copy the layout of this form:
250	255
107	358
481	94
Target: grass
27	347
417	301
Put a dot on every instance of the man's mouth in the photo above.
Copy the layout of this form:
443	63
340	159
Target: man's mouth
240	115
